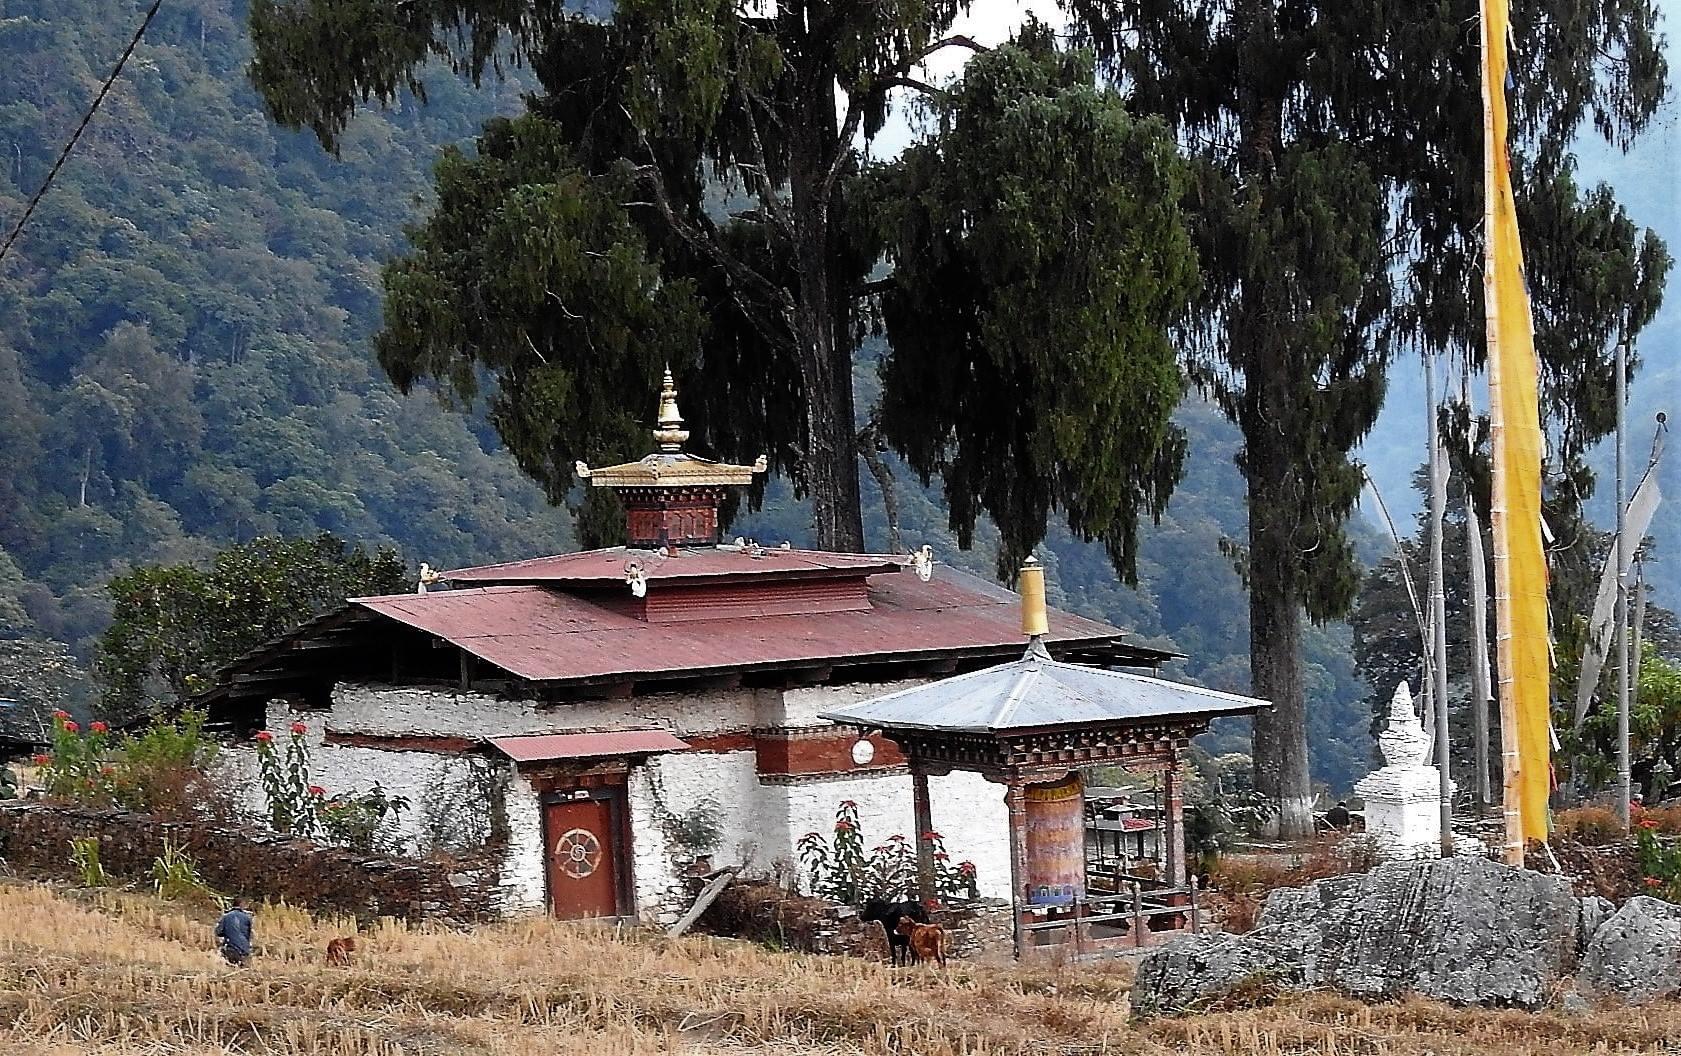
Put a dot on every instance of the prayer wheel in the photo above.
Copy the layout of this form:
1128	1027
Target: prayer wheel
1055	845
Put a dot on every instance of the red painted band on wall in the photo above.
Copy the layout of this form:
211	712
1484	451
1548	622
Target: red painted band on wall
823	751
404	742
720	742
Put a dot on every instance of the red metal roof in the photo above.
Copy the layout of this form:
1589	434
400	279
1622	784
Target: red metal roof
545	635
547	747
705	564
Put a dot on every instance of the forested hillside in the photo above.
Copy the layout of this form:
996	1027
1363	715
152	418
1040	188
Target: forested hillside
184	326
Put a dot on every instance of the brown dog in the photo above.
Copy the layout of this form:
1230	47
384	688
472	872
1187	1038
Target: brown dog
340	951
928	941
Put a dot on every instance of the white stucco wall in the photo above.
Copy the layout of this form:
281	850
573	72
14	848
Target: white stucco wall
415	776
761	820
800	706
968	812
673	785
388	710
523	878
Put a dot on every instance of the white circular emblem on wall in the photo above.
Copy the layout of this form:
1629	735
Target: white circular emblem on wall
577	853
862	752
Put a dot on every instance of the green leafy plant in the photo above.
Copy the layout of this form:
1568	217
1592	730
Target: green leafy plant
175	875
1659	861
354	820
84	855
699	829
464	811
167	770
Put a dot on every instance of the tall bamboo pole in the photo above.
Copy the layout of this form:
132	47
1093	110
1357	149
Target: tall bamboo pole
1477	567
1438	605
1510	757
1625	770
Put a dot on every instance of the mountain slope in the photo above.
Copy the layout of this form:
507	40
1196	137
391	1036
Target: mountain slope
184	326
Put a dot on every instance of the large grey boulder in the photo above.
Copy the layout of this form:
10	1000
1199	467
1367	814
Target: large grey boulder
1464	930
1635	957
1196	972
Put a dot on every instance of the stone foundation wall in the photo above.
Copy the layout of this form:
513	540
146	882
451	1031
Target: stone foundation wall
35	839
765	912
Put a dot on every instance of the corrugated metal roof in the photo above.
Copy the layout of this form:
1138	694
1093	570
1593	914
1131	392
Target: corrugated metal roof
546	635
704	564
1036	693
547	747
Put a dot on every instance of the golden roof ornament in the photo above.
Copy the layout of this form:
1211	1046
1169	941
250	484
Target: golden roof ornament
670	435
671	466
1031	585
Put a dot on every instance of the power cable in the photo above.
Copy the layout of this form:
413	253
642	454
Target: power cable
70	145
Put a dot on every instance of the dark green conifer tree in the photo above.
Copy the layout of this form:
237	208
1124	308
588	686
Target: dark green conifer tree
689	187
1337	207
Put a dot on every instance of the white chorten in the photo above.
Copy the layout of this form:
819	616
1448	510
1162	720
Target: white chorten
1403	813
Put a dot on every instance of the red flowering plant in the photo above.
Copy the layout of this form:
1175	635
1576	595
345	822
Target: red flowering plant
73	769
163	771
302	807
835	867
839	868
1659	860
283	773
954	881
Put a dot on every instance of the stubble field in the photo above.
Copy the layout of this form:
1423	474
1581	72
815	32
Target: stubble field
114	973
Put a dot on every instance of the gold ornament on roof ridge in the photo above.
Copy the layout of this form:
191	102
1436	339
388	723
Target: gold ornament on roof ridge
671	466
670	435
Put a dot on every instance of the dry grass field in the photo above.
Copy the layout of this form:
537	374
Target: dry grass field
116	973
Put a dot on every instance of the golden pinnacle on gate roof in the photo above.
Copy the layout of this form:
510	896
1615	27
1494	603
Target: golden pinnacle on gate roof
671	466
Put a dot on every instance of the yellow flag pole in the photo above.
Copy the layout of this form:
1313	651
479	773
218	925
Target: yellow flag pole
1520	572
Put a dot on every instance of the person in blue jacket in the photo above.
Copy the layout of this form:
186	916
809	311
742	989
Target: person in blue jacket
233	933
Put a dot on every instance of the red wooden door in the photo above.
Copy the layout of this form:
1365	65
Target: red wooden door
581	863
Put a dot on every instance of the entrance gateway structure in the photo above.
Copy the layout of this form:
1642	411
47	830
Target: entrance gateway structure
1033	726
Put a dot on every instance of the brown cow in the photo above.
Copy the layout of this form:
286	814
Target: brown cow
927	941
339	951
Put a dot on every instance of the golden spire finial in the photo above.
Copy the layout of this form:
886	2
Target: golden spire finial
1034	623
670	435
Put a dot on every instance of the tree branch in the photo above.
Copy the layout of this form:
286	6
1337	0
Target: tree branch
767	193
870	446
703	239
956	40
843	142
900	81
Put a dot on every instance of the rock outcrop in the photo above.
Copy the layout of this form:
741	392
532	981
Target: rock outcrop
1197	973
1635	956
1464	930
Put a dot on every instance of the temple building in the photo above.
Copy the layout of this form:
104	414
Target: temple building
595	709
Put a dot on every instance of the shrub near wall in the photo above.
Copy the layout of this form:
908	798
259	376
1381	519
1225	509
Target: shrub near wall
35	839
763	911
